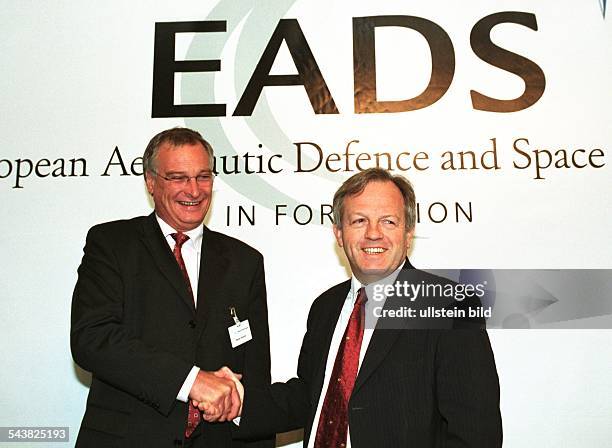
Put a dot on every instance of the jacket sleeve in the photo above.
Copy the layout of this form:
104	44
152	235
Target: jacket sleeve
280	407
468	389
105	344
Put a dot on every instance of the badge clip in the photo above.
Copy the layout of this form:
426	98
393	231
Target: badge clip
234	315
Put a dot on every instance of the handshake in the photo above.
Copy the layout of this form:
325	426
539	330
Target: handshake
218	394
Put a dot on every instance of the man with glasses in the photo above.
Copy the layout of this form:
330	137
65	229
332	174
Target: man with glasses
151	310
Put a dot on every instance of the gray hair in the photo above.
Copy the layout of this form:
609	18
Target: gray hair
176	137
355	184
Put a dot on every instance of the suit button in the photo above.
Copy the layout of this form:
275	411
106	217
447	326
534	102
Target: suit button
192	323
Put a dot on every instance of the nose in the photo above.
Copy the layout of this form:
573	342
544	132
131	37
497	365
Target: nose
373	231
192	188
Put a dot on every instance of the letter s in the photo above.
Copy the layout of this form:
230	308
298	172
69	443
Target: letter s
529	71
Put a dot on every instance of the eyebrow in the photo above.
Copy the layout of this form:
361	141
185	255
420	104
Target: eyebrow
184	173
361	214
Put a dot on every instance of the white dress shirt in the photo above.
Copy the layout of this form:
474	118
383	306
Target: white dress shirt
343	319
191	250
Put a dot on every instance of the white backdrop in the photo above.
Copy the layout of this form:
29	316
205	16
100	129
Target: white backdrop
77	81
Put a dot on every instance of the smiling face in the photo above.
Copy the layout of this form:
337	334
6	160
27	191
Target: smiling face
182	206
373	232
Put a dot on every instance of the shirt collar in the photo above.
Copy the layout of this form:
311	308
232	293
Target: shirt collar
195	235
356	284
355	287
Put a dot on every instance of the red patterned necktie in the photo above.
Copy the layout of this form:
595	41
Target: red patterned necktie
333	421
193	417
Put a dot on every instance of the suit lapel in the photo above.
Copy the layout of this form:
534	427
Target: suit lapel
162	256
325	330
213	270
380	345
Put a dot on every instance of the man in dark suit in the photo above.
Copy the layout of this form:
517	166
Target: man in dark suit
407	383
151	309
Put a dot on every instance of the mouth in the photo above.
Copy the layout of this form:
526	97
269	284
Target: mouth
374	250
190	203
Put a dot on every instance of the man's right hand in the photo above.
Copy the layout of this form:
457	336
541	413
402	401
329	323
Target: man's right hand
226	372
217	396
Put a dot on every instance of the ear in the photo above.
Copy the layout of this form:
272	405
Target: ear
338	235
150	183
409	236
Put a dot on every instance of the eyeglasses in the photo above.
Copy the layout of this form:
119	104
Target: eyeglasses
180	179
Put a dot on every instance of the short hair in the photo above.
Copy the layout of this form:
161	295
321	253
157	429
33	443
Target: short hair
355	184
176	137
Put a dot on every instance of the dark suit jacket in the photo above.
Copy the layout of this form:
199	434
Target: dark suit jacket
416	388
134	326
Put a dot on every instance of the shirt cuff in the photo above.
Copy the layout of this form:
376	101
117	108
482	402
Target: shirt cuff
236	421
183	394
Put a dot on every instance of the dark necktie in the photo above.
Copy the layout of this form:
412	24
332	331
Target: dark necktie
194	417
333	421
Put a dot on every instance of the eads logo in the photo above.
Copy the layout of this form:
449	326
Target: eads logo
364	67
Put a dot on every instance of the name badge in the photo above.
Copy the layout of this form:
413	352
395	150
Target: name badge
240	332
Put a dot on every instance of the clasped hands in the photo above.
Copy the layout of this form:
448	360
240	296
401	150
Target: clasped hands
218	394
